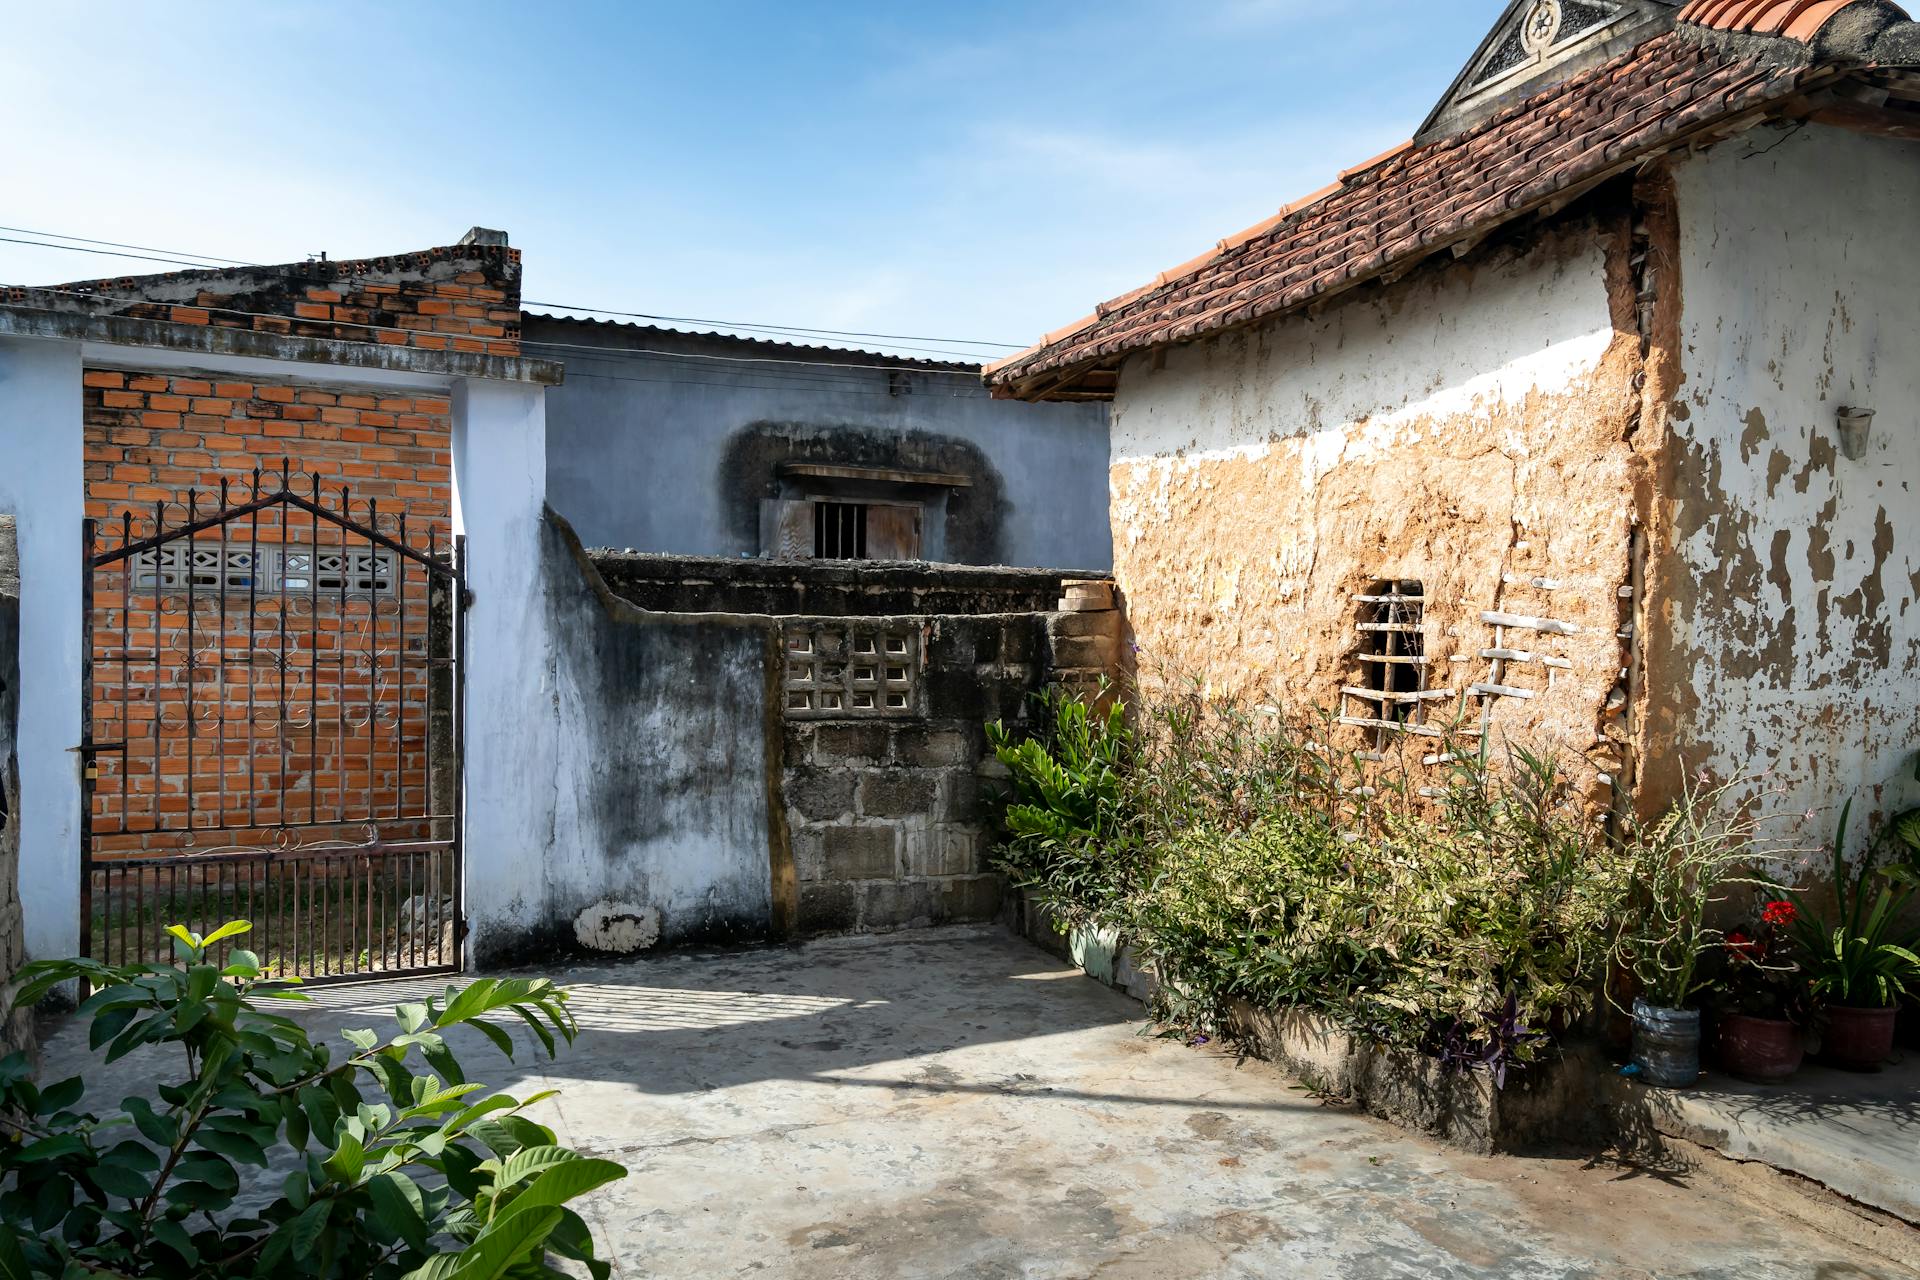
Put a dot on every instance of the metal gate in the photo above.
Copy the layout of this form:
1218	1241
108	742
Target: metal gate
272	688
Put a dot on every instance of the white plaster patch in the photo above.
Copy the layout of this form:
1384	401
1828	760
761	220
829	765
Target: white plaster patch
618	927
1347	386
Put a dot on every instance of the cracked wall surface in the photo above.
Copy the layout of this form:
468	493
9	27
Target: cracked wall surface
1788	575
1470	427
16	1027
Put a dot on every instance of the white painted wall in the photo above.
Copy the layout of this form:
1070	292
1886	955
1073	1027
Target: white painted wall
1800	271
500	478
1344	385
41	482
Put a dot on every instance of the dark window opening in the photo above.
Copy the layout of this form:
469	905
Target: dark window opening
840	531
1393	653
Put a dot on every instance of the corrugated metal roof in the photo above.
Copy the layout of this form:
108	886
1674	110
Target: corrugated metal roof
847	355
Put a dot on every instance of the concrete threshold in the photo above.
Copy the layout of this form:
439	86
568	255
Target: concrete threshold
1857	1135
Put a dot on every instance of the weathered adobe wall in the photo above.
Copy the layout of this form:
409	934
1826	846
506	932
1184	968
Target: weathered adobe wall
1470	427
719	778
1787	574
16	1027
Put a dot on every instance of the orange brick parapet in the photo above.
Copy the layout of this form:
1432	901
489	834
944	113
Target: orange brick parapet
462	298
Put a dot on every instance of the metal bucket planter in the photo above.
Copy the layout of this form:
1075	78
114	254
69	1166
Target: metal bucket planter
1858	1039
1666	1045
1764	1050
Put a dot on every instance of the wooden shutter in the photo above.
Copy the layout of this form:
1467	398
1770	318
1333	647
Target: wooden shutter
786	529
893	533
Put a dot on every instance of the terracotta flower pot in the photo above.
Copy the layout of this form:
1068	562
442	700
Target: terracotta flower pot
1859	1039
1764	1050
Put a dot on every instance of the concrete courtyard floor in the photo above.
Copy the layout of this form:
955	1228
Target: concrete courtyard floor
958	1104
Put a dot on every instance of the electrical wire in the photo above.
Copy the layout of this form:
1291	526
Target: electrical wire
603	352
115	244
147	253
777	328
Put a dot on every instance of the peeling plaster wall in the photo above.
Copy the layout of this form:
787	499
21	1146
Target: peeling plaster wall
660	835
1789	627
1466	424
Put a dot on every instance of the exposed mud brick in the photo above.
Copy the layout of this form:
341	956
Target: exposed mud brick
895	904
970	898
897	795
809	845
1089	653
1105	625
828	908
924	747
861	853
820	794
963	797
941	851
833	743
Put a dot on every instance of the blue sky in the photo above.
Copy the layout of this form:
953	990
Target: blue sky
975	170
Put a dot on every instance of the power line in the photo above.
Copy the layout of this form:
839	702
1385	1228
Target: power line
147	253
115	244
780	328
604	352
105	253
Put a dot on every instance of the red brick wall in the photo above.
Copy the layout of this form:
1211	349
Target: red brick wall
153	438
462	298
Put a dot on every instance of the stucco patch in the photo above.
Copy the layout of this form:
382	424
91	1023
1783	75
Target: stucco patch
618	927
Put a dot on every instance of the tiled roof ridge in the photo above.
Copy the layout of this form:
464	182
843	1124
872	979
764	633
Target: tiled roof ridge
1687	79
1798	20
313	269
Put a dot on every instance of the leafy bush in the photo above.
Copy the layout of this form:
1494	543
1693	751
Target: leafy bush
1067	833
1863	954
1248	860
1681	870
439	1181
1467	929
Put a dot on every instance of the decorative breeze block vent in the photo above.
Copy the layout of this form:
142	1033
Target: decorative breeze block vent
846	671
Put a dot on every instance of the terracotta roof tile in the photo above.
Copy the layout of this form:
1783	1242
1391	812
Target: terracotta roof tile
1800	20
1415	201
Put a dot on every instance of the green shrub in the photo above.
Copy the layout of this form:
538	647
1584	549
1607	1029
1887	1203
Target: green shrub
440	1181
1421	927
1680	871
1066	831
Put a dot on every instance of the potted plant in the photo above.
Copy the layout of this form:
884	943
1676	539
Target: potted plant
1860	960
1679	870
1757	996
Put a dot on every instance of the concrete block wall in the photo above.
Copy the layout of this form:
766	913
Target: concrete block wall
888	817
16	1029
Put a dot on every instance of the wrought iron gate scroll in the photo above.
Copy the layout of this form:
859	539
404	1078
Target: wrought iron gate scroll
272	690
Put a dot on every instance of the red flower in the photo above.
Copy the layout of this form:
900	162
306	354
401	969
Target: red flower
1741	945
1780	915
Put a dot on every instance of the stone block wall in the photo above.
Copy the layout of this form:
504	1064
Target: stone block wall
887	813
16	1026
